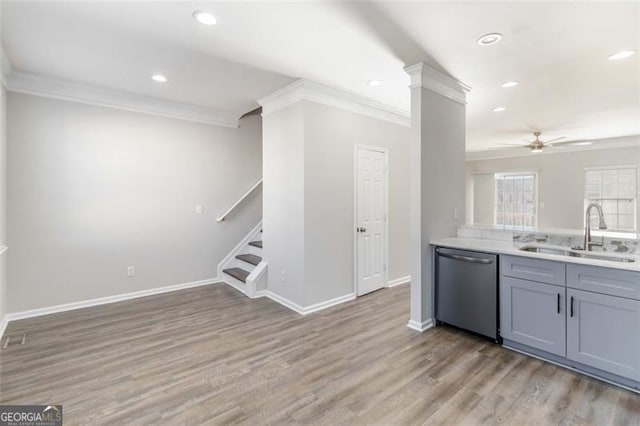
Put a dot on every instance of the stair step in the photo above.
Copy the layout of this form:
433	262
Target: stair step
237	273
249	258
256	244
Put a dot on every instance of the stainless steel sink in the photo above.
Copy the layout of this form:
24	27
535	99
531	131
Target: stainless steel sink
603	257
576	253
546	250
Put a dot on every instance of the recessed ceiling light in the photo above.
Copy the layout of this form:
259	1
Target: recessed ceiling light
499	109
374	83
622	55
159	78
508	84
489	39
204	18
585	143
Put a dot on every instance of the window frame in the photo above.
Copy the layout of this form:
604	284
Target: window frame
536	217
613	231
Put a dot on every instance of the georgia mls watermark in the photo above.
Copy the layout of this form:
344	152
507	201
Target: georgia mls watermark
30	415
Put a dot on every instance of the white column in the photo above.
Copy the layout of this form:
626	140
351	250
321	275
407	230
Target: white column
437	177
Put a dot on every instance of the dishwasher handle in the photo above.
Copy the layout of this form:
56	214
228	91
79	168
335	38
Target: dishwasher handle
465	258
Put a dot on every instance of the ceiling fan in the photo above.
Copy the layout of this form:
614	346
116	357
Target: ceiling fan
538	146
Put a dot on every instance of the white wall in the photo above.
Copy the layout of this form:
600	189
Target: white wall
3	204
437	188
283	210
309	199
3	176
330	137
92	190
483	195
560	186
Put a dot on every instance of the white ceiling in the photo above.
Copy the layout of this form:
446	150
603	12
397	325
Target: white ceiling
557	50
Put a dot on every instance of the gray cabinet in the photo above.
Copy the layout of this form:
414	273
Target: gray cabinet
614	282
526	268
533	314
583	316
604	332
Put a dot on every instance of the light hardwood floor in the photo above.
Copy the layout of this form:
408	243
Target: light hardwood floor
210	355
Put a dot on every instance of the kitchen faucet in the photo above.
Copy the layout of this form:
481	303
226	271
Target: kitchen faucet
587	226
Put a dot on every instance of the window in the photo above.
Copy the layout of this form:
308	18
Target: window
516	200
615	189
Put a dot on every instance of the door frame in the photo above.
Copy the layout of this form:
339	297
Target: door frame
385	151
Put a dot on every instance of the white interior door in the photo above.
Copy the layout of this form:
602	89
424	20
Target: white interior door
371	219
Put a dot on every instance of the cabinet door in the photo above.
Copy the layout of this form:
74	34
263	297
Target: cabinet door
533	314
604	332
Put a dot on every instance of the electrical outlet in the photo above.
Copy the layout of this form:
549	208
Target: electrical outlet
456	214
199	208
131	271
283	276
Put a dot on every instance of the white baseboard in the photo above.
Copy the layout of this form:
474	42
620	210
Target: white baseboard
236	284
423	326
105	300
3	325
305	310
399	281
284	302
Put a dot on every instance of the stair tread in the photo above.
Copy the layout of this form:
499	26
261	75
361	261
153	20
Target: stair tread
249	258
256	244
237	273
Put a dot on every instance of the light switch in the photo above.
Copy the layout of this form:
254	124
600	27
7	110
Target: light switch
199	209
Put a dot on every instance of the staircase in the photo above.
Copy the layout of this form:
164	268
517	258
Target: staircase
244	268
246	262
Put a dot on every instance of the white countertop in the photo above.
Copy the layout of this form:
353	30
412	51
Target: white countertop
508	247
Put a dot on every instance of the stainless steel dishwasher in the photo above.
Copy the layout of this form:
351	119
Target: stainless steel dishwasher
467	290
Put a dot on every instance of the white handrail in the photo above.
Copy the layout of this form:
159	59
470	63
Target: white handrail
246	194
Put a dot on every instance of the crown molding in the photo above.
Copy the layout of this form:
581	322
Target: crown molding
49	87
304	90
282	98
598	144
424	76
5	66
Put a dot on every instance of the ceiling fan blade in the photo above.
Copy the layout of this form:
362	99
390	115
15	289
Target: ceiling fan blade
577	143
513	144
552	141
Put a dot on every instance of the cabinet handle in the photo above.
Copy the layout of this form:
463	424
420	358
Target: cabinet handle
558	302
572	306
466	258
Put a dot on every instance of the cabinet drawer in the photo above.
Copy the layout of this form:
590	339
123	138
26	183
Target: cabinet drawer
614	282
544	271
